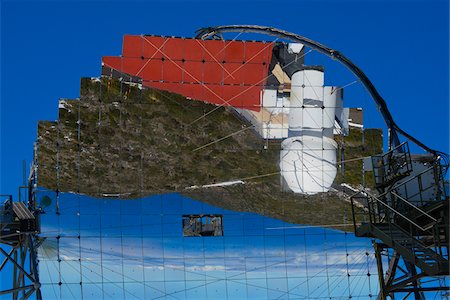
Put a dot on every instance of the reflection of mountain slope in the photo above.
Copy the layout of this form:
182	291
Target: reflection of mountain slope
129	142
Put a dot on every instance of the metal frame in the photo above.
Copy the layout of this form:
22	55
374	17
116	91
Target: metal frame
394	213
23	260
21	253
401	276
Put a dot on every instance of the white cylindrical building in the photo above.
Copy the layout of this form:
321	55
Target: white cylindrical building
308	155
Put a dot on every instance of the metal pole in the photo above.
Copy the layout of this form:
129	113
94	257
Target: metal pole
14	295
14	261
6	259
18	289
382	295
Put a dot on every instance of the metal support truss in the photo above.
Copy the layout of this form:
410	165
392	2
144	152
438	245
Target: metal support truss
402	277
19	242
22	259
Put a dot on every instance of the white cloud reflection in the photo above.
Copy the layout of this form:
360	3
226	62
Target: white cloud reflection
288	264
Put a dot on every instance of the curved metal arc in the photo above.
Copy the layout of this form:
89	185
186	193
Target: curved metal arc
208	32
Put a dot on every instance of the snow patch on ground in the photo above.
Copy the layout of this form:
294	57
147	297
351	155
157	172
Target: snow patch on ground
226	183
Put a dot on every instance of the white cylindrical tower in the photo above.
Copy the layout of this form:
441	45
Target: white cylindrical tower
308	155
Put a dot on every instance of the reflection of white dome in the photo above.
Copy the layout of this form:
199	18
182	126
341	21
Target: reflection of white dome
308	163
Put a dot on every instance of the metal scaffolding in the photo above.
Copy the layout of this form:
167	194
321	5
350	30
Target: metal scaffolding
19	223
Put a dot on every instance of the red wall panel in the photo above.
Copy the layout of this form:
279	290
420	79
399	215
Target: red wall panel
174	49
152	70
173	87
114	62
251	97
213	72
234	51
194	91
214	50
235	74
258	52
233	95
193	71
194	49
132	65
255	74
132	46
152	47
172	71
213	94
220	72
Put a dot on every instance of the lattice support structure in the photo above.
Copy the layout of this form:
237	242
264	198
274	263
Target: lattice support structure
22	259
20	224
409	219
402	277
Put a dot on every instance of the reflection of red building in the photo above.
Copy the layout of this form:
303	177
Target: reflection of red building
221	72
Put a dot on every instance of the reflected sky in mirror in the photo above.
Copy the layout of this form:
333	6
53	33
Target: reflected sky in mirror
135	249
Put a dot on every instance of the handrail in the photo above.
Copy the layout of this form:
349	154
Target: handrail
408	180
397	212
405	182
423	212
399	185
395	149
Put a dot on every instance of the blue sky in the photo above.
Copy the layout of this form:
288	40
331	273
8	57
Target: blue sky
403	46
